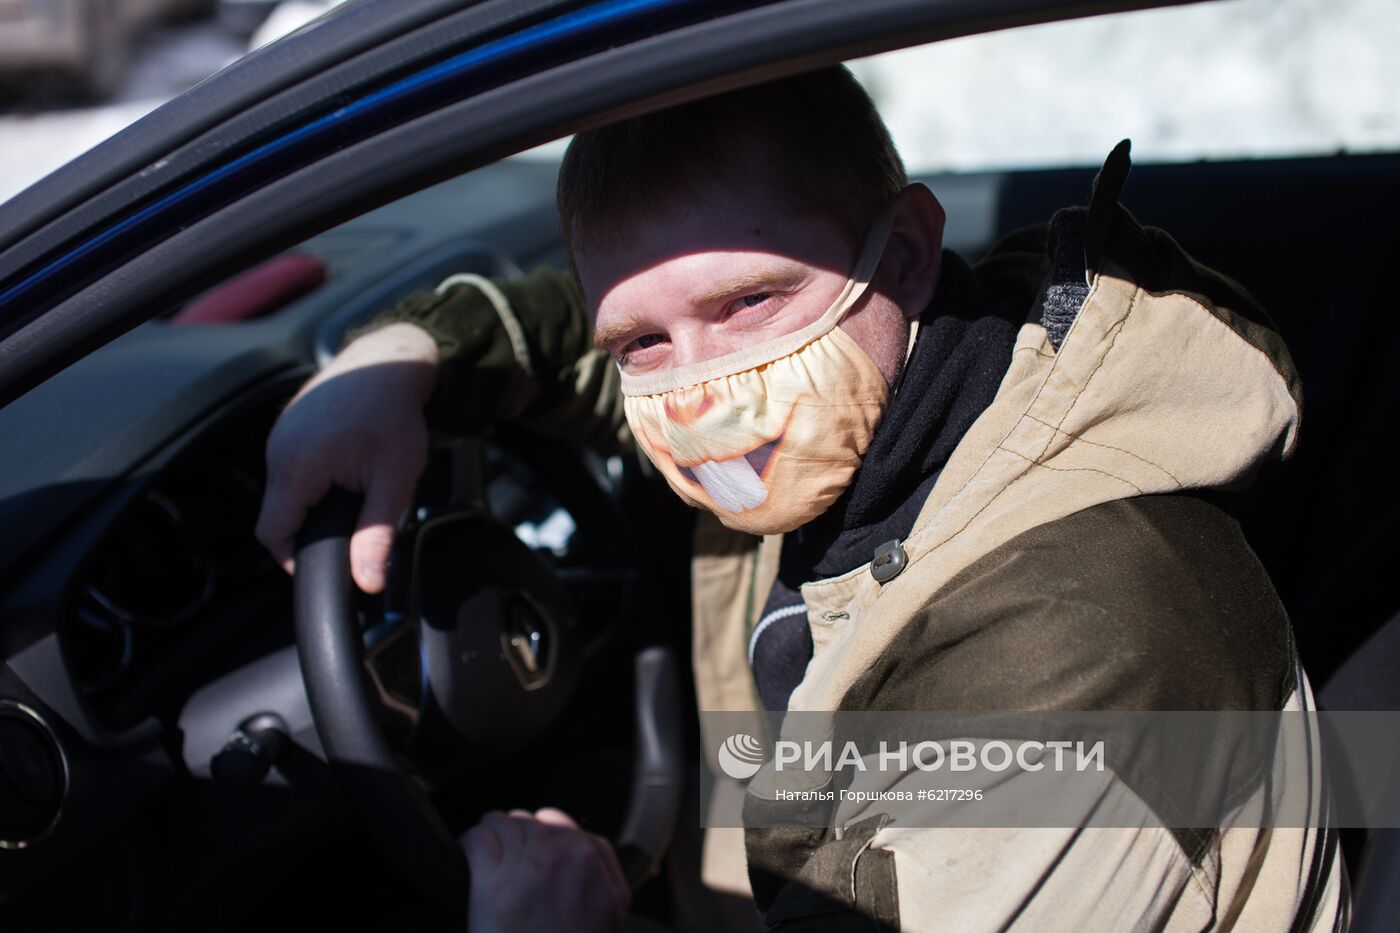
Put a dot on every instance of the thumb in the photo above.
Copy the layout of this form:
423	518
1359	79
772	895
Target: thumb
386	499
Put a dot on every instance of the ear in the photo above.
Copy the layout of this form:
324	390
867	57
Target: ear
913	255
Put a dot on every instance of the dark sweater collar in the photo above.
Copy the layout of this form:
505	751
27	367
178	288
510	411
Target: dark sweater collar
962	350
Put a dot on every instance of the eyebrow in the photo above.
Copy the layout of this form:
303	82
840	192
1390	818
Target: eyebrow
770	277
610	333
787	274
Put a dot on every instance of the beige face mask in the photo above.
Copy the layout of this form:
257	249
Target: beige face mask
768	437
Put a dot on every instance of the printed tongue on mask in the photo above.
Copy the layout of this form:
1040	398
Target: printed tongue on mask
733	485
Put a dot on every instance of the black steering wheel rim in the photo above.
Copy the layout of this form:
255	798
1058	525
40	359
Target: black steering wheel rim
398	814
330	647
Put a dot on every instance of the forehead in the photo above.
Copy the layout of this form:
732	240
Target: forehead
716	229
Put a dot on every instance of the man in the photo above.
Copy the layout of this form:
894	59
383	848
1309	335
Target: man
923	487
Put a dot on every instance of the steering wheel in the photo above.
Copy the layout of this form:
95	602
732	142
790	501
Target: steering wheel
345	706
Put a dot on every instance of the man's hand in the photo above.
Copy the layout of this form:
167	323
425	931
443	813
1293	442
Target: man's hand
357	424
541	872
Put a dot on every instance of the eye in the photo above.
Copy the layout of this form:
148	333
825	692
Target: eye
637	345
768	301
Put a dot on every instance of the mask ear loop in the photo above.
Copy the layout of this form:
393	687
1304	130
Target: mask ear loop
753	357
867	263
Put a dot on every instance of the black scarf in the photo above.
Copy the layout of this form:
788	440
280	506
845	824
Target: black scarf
961	353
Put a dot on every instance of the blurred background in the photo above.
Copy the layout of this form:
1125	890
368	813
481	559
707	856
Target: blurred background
73	72
1220	80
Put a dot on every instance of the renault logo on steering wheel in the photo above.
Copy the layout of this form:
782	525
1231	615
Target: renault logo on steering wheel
525	643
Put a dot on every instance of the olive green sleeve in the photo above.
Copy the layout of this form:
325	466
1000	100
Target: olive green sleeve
516	349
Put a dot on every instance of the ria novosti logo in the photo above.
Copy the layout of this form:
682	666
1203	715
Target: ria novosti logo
741	756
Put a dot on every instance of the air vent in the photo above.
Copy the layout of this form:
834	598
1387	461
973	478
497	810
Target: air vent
33	776
153	571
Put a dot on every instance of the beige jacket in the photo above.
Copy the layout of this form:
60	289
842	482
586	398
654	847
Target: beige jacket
1169	381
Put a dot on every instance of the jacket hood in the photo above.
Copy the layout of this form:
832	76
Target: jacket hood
1141	372
1151	357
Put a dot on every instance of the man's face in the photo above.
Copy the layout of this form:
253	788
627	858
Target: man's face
731	266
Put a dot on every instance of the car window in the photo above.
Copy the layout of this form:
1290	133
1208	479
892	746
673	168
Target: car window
1210	81
1223	80
1215	81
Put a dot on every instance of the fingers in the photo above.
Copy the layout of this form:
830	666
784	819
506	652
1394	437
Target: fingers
551	816
536	835
602	851
490	842
483	849
506	829
274	527
612	874
541	871
286	502
283	509
359	424
388	496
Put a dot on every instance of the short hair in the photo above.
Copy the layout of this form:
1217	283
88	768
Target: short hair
834	156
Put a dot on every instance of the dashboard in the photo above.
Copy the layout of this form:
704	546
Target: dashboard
177	590
130	581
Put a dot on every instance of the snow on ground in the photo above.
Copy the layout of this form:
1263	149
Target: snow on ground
168	61
1225	79
32	145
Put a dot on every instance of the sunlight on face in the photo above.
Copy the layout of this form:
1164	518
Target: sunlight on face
729	270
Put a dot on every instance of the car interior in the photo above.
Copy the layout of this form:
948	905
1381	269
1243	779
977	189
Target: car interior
166	627
161	765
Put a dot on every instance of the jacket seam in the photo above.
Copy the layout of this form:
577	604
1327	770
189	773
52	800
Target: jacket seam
1084	440
1046	466
1194	879
1120	326
1040	390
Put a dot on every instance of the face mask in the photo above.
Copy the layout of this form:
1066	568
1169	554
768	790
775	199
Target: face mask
768	437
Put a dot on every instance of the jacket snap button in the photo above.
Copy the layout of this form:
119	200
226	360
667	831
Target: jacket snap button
889	561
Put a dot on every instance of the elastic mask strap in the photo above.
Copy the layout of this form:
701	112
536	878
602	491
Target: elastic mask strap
752	357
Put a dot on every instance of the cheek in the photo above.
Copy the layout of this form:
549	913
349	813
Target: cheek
879	327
